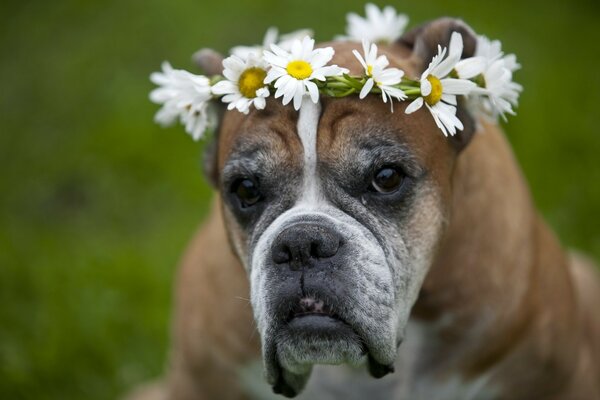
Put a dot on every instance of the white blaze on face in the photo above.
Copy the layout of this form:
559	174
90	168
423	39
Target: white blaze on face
308	123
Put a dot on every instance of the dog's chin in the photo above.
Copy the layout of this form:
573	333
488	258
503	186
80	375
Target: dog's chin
318	339
310	339
303	341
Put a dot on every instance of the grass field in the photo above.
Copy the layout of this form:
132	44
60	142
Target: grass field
97	203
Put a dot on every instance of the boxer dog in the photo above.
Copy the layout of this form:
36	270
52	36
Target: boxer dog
347	234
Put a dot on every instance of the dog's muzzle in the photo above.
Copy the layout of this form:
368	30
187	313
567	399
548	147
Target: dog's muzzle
312	282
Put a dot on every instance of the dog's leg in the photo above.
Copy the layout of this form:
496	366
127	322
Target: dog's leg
213	328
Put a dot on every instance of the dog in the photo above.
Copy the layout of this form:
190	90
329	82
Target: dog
347	234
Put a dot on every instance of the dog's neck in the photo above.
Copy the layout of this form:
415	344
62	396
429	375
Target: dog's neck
483	294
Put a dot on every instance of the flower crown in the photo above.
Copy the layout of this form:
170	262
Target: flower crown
290	68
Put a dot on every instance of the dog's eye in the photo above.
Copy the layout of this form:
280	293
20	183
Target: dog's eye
387	180
247	191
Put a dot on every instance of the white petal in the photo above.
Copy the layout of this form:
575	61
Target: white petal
313	90
296	51
288	89
320	57
281	82
224	87
510	61
280	85
360	59
307	47
278	52
231	97
275	60
366	88
263	92
394	92
275	73
390	76
449	98
298	95
436	119
166	116
425	87
270	36
330	70
414	106
457	86
470	67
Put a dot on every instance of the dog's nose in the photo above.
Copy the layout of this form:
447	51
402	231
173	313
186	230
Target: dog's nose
303	244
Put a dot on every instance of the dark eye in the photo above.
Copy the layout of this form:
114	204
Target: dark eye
387	180
247	192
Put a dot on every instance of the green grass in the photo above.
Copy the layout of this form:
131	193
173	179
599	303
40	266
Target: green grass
97	203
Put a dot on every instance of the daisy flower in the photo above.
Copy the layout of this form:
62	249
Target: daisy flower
380	26
496	93
294	71
496	79
499	90
271	37
183	95
244	84
438	92
378	74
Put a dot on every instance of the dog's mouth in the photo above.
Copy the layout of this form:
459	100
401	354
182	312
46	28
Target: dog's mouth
312	317
311	306
314	330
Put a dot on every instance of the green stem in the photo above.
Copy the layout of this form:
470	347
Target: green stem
412	92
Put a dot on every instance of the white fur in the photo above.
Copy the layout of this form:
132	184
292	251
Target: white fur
308	123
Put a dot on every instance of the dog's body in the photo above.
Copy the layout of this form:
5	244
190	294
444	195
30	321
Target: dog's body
499	309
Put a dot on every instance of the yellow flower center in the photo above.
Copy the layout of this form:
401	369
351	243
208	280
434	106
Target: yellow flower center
250	81
299	69
370	70
436	91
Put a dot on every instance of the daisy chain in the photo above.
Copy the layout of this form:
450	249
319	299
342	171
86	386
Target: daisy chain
290	68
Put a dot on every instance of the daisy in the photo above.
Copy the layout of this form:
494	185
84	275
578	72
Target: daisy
492	71
271	37
501	93
183	95
294	72
375	69
496	79
438	92
380	26
244	84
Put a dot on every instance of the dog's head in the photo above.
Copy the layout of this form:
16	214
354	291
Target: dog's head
336	212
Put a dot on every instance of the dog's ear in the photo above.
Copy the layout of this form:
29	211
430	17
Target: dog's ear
211	63
423	41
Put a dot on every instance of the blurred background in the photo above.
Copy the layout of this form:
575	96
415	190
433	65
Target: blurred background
97	203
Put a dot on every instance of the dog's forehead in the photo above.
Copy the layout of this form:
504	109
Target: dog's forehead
347	124
341	123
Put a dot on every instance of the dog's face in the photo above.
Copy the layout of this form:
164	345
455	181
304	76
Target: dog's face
336	212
